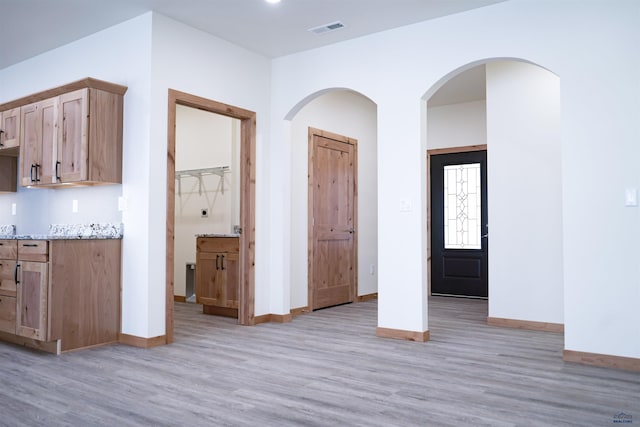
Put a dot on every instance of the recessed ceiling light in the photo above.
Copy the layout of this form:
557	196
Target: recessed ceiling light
273	1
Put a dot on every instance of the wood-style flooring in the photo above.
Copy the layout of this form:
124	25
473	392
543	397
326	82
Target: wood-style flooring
326	368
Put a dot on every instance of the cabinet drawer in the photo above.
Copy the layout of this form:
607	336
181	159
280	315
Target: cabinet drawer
7	314
33	250
8	249
218	244
7	277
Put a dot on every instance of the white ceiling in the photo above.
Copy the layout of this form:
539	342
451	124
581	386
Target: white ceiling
31	27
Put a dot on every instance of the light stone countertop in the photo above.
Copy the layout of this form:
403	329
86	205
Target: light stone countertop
68	232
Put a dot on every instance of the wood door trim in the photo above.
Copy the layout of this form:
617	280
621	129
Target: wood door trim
247	200
435	152
310	197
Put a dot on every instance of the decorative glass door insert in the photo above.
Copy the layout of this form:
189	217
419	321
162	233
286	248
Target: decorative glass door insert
462	206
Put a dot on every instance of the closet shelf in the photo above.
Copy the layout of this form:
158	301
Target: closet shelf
199	174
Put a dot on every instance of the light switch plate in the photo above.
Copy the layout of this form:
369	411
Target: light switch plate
631	197
13	209
123	204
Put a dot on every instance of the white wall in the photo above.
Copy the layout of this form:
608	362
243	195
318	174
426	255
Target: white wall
525	192
599	98
353	115
203	140
195	62
457	125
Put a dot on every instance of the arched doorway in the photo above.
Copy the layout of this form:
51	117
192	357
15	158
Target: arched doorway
518	122
349	114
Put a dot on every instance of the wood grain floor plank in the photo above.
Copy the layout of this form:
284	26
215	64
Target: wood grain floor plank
324	368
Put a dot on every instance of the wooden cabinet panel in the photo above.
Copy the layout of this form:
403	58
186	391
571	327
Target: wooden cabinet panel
7	314
32	290
72	151
31	147
9	249
8	174
7	277
10	129
85	292
39	138
33	250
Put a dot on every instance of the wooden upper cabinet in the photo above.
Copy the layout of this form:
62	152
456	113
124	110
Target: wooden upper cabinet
10	129
72	138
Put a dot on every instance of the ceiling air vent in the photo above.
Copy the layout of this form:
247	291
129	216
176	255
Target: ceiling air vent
326	28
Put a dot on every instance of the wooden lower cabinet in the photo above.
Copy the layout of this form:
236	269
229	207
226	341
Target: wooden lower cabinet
66	296
217	275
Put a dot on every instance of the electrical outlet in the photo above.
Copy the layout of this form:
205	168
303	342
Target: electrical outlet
372	269
13	208
204	213
74	206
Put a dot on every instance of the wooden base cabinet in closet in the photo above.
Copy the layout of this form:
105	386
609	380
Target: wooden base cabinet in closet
217	275
67	294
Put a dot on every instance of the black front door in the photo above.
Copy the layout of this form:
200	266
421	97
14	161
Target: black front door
459	226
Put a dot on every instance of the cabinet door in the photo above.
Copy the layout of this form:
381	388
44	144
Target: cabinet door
31	147
47	122
207	280
32	288
8	314
230	271
72	144
7	277
10	128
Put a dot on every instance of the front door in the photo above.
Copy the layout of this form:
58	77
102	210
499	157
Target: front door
459	229
332	208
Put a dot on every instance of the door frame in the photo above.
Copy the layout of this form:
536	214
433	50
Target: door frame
435	152
310	198
246	315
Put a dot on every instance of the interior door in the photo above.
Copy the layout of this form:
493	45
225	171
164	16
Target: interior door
332	190
459	229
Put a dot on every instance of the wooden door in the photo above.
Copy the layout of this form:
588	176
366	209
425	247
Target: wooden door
72	144
31	147
459	238
10	128
332	207
32	288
